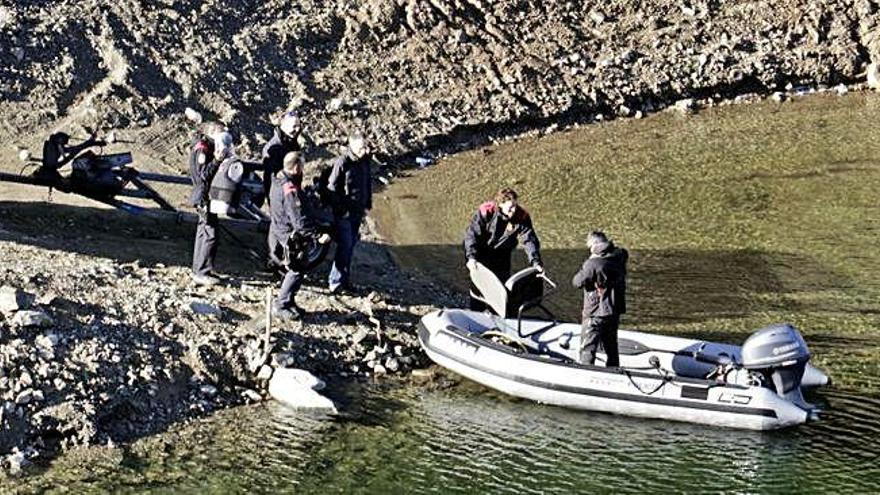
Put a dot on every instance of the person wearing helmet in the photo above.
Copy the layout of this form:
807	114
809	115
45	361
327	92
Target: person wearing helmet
208	150
350	187
284	141
603	279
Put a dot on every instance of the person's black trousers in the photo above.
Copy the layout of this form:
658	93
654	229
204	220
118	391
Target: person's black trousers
205	246
600	330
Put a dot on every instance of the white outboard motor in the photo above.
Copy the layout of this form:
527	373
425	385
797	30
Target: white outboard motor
780	354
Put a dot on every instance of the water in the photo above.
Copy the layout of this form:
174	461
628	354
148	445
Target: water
735	218
463	439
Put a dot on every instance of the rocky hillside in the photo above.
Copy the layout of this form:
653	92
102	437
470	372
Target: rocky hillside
414	74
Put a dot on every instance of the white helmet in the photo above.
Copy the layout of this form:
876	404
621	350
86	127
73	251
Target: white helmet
223	146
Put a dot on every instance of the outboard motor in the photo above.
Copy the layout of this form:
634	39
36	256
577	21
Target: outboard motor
780	354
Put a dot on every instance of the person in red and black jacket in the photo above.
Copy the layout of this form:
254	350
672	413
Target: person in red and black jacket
288	219
495	230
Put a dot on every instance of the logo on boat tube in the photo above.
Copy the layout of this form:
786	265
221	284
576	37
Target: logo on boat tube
734	398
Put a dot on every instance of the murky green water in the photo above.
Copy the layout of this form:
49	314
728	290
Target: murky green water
735	218
463	439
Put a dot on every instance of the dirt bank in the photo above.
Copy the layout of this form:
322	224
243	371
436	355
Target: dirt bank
112	341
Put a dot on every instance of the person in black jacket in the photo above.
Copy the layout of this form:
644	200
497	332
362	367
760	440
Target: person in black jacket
603	279
493	234
57	153
350	186
208	150
285	140
288	219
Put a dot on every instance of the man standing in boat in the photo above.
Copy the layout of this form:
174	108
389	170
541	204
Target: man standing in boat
603	279
493	234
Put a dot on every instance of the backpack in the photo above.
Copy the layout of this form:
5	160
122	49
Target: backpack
201	168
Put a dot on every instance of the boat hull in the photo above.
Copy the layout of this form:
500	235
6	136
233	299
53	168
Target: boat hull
559	381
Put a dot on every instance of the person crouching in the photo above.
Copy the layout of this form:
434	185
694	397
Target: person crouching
288	220
603	279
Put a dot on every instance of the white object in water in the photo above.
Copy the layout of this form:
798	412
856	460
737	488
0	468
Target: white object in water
298	389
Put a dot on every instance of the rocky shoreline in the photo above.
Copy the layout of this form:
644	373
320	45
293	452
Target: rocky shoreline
129	347
99	351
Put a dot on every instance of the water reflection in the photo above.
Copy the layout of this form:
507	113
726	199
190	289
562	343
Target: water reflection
466	440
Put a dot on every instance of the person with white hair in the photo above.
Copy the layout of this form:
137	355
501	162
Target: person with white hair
603	279
350	185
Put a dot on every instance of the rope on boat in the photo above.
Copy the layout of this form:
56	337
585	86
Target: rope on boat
506	338
664	380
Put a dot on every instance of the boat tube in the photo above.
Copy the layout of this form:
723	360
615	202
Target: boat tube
757	386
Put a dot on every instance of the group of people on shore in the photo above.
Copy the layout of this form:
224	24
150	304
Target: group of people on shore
495	230
216	173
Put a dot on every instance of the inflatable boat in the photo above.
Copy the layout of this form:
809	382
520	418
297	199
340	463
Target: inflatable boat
757	386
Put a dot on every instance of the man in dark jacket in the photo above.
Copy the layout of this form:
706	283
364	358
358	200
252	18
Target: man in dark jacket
603	279
351	193
208	150
57	153
493	234
288	219
285	140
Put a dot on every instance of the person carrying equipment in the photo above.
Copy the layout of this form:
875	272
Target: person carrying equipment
290	222
208	150
56	153
493	234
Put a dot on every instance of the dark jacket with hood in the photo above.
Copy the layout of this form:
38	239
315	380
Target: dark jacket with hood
491	238
351	185
273	157
603	279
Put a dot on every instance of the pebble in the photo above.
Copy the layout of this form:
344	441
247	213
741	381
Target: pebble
204	308
31	318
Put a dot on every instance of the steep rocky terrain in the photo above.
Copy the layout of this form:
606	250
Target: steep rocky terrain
414	74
